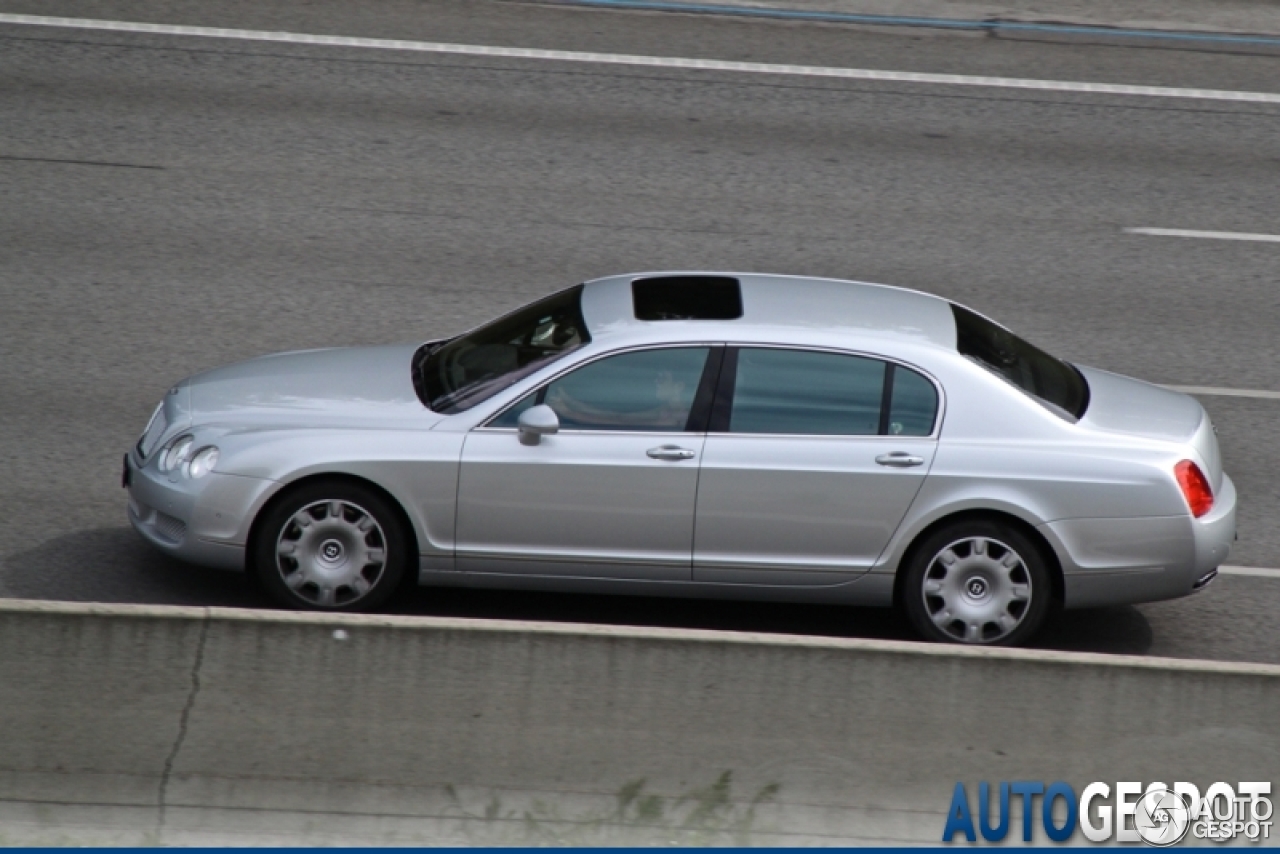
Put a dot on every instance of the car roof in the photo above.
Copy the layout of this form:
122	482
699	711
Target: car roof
770	302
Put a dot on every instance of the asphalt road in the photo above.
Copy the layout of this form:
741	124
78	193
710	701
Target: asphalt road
169	204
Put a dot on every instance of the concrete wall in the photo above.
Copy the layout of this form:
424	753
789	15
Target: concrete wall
177	725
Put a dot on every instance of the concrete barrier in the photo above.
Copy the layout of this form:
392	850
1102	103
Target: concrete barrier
140	724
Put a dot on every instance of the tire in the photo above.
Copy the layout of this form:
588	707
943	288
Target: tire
331	546
977	582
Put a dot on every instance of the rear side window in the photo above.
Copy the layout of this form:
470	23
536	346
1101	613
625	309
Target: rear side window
797	391
1034	371
687	298
815	393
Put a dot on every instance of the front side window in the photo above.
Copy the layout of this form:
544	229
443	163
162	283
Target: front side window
646	390
472	368
1034	371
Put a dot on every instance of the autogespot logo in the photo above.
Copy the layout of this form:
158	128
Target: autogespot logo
1158	815
1162	818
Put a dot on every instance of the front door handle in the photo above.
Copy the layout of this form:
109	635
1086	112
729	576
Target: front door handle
670	452
900	460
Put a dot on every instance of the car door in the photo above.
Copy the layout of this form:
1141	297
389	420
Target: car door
612	493
812	459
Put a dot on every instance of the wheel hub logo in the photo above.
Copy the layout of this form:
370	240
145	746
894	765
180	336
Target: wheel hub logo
977	588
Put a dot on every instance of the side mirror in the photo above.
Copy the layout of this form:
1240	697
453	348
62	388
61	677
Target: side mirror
536	422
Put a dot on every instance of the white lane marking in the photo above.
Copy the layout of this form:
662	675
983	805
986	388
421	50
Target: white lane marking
1252	571
1205	235
645	61
1261	394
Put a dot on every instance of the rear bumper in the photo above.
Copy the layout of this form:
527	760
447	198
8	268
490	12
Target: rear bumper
1215	533
1126	561
204	521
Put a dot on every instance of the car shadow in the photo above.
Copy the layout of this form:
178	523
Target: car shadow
115	565
1121	630
716	615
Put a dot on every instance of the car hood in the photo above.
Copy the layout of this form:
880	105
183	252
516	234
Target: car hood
351	383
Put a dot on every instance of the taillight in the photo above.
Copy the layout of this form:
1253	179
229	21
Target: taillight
1195	487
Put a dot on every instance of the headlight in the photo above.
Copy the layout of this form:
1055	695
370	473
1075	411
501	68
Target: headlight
203	462
175	453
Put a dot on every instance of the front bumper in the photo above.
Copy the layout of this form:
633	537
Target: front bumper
1126	561
204	521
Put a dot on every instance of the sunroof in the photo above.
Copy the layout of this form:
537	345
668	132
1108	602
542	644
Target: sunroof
687	298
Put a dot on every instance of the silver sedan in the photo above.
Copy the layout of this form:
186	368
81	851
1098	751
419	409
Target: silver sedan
694	434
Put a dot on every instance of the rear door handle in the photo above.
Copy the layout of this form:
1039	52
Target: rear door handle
900	460
670	452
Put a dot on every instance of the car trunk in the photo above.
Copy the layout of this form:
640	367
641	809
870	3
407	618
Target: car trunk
1126	405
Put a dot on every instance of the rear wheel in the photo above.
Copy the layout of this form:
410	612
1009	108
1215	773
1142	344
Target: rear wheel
331	546
977	583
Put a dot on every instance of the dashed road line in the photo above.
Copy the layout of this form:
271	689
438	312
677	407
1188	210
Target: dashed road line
1251	571
1205	235
1261	394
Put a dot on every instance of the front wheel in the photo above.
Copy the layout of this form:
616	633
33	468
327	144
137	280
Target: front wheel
977	583
331	546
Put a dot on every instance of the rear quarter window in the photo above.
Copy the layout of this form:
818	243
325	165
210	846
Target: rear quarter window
913	406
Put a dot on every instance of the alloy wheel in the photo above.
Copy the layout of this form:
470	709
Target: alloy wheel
977	590
331	553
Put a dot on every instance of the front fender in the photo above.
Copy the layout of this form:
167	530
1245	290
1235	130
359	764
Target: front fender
418	469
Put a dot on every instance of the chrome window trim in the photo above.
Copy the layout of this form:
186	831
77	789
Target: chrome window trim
934	435
820	436
603	432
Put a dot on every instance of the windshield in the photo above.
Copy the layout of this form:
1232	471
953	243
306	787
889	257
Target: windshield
454	376
1034	371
